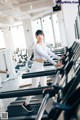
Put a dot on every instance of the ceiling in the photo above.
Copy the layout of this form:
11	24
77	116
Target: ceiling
14	11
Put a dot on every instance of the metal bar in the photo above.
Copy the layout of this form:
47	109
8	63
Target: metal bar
20	93
57	79
39	74
42	107
27	92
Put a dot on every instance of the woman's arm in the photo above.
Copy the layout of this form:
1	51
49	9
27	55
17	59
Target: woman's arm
53	54
41	52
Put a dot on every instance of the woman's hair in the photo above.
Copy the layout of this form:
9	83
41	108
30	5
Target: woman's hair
39	32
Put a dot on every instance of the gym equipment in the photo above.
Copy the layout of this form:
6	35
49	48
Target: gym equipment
6	64
63	90
66	69
20	56
42	73
77	55
69	88
73	58
71	105
76	81
69	99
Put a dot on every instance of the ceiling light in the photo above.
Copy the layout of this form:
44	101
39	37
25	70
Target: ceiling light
6	0
31	7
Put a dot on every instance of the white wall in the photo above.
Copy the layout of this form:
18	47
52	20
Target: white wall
2	67
8	38
27	26
6	63
62	29
70	13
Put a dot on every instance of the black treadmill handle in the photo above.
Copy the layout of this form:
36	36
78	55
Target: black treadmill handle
43	73
39	74
26	92
52	90
58	87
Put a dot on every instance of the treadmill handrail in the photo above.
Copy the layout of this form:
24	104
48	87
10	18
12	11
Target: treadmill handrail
39	74
27	92
42	107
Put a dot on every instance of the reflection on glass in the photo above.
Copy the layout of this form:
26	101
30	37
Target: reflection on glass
18	37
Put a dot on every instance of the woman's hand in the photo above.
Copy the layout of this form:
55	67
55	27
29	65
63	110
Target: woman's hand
59	64
63	57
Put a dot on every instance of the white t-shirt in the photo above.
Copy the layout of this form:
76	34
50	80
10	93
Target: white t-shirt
43	52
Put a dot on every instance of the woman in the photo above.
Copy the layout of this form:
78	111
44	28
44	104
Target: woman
41	53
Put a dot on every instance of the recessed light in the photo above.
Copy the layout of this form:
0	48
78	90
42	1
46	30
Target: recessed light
6	0
31	7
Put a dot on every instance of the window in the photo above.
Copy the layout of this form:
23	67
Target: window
50	27
18	37
47	29
35	26
56	28
2	43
